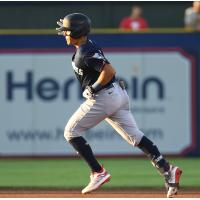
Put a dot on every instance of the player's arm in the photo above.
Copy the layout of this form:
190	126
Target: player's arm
96	61
106	75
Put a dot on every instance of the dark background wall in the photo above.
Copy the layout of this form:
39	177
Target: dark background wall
103	14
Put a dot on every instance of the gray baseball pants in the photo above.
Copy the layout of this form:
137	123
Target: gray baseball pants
111	105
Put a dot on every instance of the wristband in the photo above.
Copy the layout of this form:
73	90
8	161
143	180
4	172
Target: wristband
97	86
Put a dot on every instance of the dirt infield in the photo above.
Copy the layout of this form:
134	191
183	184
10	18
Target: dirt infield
150	193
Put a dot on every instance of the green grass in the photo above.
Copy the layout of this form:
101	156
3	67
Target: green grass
73	173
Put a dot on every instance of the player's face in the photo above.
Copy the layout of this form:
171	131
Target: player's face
70	40
68	37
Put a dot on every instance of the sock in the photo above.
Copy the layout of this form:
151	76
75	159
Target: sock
85	151
153	153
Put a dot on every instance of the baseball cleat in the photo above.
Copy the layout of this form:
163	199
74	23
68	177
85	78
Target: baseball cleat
96	181
172	182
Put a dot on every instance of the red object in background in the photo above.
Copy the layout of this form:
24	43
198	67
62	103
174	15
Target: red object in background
133	24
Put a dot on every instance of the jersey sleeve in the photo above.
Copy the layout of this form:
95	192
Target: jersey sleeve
95	60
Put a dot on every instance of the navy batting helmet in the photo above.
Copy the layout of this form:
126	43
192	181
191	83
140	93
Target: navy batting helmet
77	24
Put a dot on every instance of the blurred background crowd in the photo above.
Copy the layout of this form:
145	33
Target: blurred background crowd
124	15
136	21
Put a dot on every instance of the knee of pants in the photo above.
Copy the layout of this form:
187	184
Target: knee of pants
69	133
136	138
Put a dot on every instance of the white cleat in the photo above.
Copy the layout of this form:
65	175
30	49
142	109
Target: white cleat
173	181
96	181
172	191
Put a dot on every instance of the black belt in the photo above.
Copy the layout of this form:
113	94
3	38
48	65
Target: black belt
110	86
121	83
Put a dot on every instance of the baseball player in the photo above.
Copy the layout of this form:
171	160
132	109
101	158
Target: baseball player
105	99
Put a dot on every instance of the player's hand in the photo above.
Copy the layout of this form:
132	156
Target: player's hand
88	93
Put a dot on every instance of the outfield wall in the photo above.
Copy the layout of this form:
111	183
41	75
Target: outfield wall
39	92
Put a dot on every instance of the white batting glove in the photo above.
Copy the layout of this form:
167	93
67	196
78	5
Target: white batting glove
88	93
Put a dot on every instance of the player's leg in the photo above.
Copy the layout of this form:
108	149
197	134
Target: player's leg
124	123
87	116
170	173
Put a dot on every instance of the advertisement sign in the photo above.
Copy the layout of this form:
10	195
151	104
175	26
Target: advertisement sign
39	92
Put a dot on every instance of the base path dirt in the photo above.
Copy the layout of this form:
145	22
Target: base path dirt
143	193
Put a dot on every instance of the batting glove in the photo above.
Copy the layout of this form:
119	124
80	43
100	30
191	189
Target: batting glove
88	93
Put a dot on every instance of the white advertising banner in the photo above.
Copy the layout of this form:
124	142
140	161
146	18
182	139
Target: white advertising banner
39	93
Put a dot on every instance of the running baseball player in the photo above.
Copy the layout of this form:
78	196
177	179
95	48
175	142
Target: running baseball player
105	99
